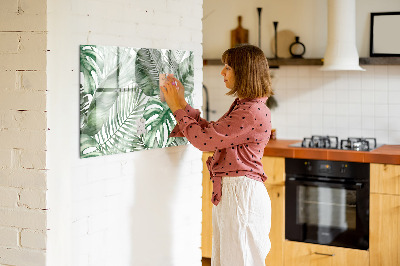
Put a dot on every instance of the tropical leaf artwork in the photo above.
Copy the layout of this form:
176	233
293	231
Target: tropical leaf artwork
120	106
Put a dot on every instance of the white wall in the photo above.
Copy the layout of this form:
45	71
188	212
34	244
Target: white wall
141	208
306	19
343	104
311	102
23	133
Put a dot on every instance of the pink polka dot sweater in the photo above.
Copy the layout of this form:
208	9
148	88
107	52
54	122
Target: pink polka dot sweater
238	139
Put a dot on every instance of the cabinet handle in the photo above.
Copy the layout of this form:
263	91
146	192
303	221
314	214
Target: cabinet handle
324	254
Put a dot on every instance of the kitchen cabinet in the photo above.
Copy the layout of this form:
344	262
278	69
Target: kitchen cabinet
277	233
385	178
385	215
384	221
385	230
274	168
305	254
206	226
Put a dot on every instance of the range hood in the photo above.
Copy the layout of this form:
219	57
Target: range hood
341	51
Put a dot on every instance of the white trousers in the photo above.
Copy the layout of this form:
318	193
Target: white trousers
241	223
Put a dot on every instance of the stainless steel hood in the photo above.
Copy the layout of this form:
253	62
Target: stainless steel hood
341	51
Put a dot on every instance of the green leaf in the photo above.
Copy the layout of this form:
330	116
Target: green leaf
89	147
171	60
148	66
90	63
112	68
119	67
186	72
160	122
178	141
98	111
119	132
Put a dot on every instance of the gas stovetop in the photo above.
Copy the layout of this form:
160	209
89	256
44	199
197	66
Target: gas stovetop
332	142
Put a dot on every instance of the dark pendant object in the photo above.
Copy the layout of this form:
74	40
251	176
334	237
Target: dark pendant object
276	38
259	26
297	49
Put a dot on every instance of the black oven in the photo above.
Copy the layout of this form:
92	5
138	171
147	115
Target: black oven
327	202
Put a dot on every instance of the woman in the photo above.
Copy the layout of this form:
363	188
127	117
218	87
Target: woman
242	208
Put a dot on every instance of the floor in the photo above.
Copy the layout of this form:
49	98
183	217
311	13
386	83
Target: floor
206	261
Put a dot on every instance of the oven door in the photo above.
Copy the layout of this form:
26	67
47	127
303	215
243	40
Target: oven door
327	213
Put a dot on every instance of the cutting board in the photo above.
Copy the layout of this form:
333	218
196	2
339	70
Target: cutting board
239	35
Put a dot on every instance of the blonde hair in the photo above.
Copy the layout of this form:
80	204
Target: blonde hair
250	66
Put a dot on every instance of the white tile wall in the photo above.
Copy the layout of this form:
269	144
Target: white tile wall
311	102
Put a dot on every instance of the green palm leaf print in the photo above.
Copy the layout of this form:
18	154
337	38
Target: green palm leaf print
160	122
120	107
119	132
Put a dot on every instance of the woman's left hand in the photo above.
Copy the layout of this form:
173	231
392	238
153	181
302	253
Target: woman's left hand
170	90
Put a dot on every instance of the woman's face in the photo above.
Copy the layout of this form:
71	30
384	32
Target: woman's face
229	76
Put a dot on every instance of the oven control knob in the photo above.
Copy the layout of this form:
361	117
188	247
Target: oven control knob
343	168
308	166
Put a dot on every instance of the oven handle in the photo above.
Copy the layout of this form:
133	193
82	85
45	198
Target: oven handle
357	185
324	254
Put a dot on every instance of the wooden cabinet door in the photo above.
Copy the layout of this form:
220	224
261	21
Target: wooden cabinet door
277	233
385	178
206	232
304	254
274	168
384	236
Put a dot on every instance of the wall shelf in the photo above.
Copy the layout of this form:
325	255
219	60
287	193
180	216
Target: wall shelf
380	61
274	63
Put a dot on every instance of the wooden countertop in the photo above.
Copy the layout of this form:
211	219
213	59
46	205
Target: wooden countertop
389	154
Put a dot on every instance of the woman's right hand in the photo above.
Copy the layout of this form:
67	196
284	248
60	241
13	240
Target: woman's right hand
181	91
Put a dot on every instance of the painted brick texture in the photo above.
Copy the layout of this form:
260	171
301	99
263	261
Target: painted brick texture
141	208
33	239
23	132
9	237
8	197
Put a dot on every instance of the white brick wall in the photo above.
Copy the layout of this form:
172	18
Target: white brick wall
23	16
33	239
23	178
23	218
23	256
22	132
9	197
9	237
141	208
100	206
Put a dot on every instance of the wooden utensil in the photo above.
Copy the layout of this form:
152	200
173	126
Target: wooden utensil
239	35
